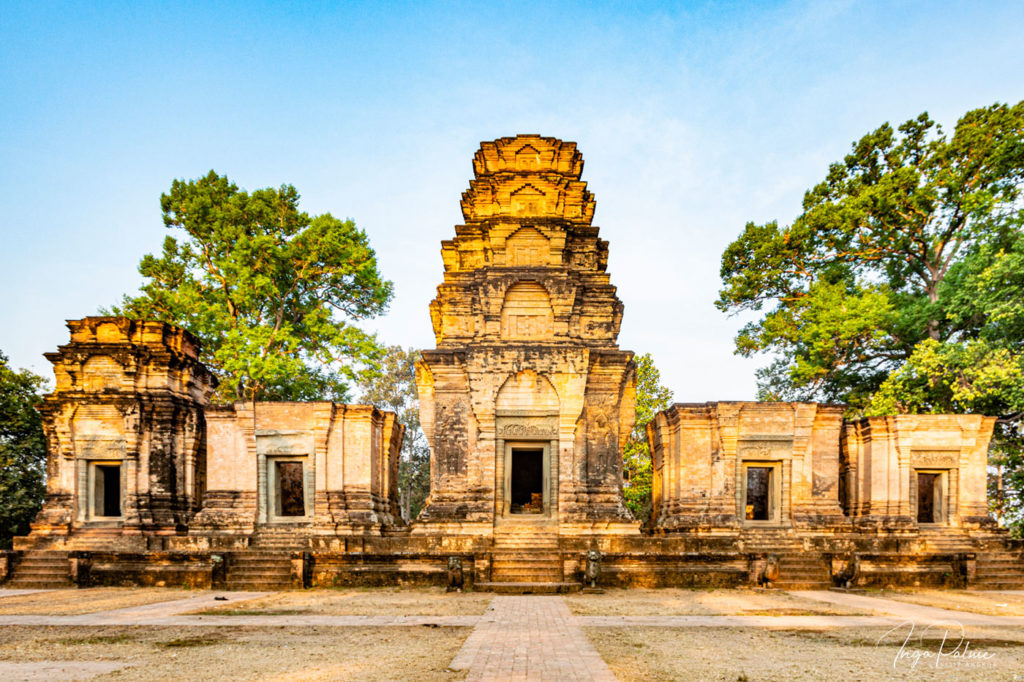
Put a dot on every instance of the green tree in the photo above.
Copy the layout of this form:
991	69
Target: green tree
899	287
394	388
637	467
22	452
272	293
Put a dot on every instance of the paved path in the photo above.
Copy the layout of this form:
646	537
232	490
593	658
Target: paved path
906	610
530	638
518	638
54	671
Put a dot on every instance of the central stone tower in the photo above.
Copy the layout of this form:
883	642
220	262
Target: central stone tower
527	400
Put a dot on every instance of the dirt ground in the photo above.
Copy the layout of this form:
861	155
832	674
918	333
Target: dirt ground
292	653
680	602
379	601
837	654
988	603
93	600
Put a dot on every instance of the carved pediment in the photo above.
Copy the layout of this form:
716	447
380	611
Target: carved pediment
940	459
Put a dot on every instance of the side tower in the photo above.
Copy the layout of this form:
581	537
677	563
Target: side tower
527	399
125	436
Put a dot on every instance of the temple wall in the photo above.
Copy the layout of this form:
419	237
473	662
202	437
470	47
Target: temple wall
138	461
701	454
527	403
883	457
348	458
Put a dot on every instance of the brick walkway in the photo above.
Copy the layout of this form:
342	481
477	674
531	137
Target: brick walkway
529	638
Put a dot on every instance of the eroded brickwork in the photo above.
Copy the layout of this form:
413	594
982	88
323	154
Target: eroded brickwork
526	322
127	404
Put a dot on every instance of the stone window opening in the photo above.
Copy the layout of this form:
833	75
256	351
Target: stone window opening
105	498
931	489
761	493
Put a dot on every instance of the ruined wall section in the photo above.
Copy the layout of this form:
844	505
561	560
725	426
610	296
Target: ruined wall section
127	394
348	456
700	452
525	289
881	458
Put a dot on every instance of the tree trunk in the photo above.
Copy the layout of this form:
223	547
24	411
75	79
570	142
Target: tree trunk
407	499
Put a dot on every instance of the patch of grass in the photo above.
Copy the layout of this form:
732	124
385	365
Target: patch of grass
97	639
186	642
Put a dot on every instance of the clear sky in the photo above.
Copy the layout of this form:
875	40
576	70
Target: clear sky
693	118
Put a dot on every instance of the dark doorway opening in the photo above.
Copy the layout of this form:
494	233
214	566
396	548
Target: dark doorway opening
759	494
527	493
107	493
927	498
290	494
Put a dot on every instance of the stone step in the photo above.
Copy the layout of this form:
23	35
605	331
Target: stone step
519	563
261	577
258	584
526	577
38	584
526	556
59	564
41	569
248	565
262	559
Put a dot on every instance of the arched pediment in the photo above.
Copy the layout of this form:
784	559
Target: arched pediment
526	312
527	247
527	200
527	391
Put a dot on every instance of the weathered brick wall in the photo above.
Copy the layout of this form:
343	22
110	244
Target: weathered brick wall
526	299
131	394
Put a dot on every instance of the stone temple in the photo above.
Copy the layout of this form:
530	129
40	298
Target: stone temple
527	402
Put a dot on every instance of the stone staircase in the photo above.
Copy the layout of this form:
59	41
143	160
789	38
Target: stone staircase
278	541
40	569
803	571
525	559
799	569
999	570
259	570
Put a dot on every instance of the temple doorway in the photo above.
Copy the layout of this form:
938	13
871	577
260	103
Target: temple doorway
290	498
106	490
929	497
526	481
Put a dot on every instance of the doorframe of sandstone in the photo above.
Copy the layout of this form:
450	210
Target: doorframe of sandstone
525	430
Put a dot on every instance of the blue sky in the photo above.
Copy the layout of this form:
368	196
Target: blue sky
693	118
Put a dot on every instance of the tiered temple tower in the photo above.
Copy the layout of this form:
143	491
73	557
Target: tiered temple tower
527	399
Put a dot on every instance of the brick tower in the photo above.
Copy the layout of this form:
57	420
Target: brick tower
527	399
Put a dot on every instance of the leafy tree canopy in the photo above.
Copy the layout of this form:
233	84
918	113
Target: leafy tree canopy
651	398
884	256
271	292
394	388
22	451
900	287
